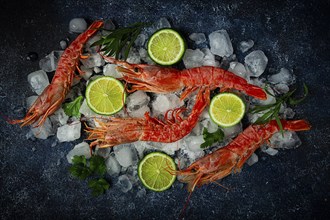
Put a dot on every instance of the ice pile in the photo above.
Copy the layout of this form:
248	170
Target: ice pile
121	161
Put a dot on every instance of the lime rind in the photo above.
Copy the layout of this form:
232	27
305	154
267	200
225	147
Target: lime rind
235	100
94	95
181	44
150	166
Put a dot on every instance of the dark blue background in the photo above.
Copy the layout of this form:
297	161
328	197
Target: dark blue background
294	184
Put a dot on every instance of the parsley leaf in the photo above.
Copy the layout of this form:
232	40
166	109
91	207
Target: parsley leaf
97	165
79	168
82	169
211	138
72	108
98	186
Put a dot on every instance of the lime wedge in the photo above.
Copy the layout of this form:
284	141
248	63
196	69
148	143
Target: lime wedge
105	95
154	171
227	109
166	47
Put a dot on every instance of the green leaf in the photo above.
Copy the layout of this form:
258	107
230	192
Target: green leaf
76	160
279	124
293	101
72	108
211	138
98	186
97	165
119	39
80	171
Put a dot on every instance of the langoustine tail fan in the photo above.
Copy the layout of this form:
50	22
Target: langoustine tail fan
54	94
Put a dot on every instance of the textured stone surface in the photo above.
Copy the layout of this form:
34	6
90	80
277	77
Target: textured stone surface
294	184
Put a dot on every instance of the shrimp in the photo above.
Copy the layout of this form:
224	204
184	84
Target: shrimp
231	158
157	79
54	94
125	130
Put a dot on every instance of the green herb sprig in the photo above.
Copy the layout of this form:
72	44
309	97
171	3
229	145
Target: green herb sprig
211	138
72	108
96	166
271	111
119	39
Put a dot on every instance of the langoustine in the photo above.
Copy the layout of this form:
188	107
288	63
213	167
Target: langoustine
125	130
158	79
54	94
231	158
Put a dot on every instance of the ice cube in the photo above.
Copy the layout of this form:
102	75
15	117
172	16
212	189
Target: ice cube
86	111
269	150
126	154
77	25
193	143
256	63
59	117
162	23
245	45
49	62
63	44
288	113
109	25
124	183
38	81
289	140
140	148
143	53
168	148
69	132
133	56
238	69
136	100
81	149
165	102
140	39
113	167
233	131
103	152
30	100
210	125
86	72
111	70
43	131
284	76
140	112
252	160
141	193
281	88
193	58
93	60
197	37
209	59
220	43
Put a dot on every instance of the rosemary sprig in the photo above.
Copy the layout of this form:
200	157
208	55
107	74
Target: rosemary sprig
119	39
271	111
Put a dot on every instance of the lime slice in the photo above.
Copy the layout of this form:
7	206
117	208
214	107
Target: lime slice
166	47
105	95
227	109
154	171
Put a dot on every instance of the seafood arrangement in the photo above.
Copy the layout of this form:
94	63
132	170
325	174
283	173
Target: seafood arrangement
194	85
